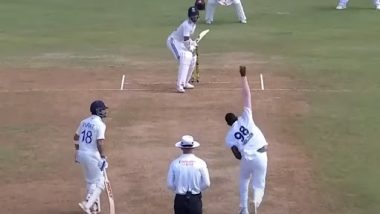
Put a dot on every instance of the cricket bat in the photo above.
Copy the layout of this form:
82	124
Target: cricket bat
201	35
109	193
196	75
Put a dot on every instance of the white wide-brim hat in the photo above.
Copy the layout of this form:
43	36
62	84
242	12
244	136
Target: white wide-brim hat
187	142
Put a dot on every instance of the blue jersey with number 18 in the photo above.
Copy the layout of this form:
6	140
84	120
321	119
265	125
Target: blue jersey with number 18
90	130
245	135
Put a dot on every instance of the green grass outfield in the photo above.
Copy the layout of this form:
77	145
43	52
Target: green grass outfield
328	49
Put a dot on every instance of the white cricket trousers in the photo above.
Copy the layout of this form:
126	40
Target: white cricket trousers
93	175
185	58
257	170
344	2
211	5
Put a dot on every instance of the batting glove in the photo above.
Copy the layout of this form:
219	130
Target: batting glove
103	164
193	43
192	49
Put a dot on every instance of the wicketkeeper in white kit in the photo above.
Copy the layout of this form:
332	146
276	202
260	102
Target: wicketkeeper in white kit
211	5
183	48
89	140
248	144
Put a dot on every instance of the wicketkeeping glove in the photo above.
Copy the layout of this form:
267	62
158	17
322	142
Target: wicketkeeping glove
102	164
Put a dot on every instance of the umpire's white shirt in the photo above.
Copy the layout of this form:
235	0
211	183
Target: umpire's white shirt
188	173
245	135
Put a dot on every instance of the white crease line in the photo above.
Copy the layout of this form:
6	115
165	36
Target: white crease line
164	83
169	90
56	90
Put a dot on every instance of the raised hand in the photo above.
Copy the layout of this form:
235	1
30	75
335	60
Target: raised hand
242	70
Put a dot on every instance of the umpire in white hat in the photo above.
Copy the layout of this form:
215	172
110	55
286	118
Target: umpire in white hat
187	177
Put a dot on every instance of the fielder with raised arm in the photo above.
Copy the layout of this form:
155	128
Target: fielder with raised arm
89	140
183	49
248	144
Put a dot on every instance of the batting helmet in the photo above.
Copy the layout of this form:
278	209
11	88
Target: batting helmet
98	108
200	4
193	13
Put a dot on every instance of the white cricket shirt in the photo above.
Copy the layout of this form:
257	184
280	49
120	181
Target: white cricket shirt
90	130
188	173
245	135
186	29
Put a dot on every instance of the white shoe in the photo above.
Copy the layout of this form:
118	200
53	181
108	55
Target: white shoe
378	7
189	86
82	205
341	7
208	22
180	90
243	21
